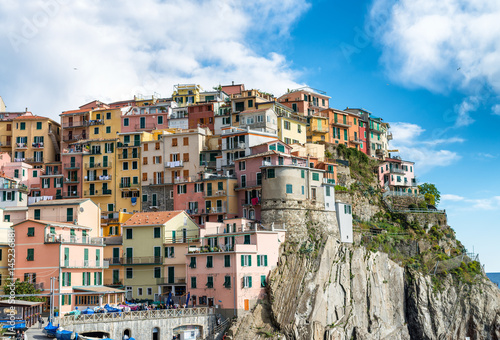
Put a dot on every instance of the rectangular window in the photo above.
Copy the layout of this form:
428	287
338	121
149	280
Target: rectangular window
227	281
129	273
96	131
262	281
289	189
246	260
270	173
192	263
246	239
37	214
247	282
69	215
160	120
193	281
210	282
125	122
157	232
227	260
31	232
261	260
210	261
23	126
315	176
108	129
128	233
157	272
30	254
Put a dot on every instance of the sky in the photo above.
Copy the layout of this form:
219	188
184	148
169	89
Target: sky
430	69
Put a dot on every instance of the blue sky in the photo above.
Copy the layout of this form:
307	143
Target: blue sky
431	69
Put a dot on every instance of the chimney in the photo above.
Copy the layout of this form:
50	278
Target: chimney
233	82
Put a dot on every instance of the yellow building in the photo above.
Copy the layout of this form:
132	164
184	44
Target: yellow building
6	118
128	170
220	198
147	237
35	140
4	248
186	94
318	128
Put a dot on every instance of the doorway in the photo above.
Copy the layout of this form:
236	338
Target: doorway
156	333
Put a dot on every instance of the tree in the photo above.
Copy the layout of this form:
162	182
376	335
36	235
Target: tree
22	287
429	188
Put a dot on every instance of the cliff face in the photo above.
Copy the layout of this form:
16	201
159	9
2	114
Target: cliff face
347	292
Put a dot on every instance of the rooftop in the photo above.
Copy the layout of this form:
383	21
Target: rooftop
151	218
70	201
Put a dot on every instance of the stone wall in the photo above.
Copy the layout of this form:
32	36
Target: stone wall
296	215
143	329
364	207
164	202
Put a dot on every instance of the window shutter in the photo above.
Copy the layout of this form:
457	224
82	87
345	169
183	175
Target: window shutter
258	260
249	282
69	278
242	260
249	260
265	260
95	278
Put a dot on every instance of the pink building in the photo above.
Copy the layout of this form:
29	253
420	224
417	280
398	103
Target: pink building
146	118
65	251
201	115
397	175
189	196
51	185
305	100
231	267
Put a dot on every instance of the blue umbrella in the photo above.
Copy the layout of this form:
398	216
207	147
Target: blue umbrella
187	299
169	298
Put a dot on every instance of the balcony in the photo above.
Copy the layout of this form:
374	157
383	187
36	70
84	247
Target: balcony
174	164
98	178
99	165
128	145
319	129
34	160
37	145
113	282
14	186
84	264
158	181
51	172
54	238
343	124
237	146
21	145
356	141
6	144
143	260
128	156
114	260
71	194
73	180
110	217
184	179
397	171
216	210
171	281
74	165
81	123
130	186
95	122
72	137
389	136
150	126
218	193
248	185
251	202
328	181
106	192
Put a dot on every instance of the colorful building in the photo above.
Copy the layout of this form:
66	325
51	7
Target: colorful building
6	122
318	128
232	266
146	118
305	100
397	175
186	94
147	236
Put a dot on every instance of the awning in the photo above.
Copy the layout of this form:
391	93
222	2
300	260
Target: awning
98	289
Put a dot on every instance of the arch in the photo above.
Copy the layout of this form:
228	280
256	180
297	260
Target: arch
127	332
156	333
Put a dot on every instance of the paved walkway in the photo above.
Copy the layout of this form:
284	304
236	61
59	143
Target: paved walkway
35	333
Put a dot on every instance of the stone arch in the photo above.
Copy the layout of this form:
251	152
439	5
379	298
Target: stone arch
127	332
156	333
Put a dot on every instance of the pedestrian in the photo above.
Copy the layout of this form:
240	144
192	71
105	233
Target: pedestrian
18	334
40	321
24	336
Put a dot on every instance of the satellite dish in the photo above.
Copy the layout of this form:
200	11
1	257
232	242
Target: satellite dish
81	209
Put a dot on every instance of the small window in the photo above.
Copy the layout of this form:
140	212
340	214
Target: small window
23	126
108	129
315	176
210	282
30	254
289	189
96	131
31	231
129	273
38	125
128	233
210	261
227	261
193	281
246	239
270	173
157	232
125	122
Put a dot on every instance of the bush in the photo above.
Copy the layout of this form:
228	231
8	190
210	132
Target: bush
422	206
412	207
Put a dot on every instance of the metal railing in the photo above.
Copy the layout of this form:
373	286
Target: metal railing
108	164
136	315
170	280
82	264
174	164
143	260
54	238
148	126
74	165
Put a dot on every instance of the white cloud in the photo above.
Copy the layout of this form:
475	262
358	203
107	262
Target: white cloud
496	110
451	197
411	145
120	49
440	45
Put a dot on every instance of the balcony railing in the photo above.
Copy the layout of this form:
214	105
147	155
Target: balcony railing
216	210
248	185
105	192
74	124
68	137
98	178
72	193
342	124
6	144
143	260
397	171
175	164
128	156
37	145
356	141
252	201
95	122
128	145
14	186
150	126
184	179
319	129
215	193
112	282
73	180
99	165
74	165
114	260
34	160
54	238
21	145
129	185
170	280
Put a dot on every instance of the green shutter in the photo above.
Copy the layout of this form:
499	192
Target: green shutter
69	279
86	254
242	260
249	282
258	260
63	299
98	255
95	278
265	260
262	280
249	260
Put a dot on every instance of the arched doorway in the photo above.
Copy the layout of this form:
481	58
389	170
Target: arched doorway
156	333
127	333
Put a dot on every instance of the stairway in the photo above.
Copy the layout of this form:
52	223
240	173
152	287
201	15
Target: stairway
54	142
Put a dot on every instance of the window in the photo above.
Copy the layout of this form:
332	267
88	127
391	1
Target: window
246	260
210	282
69	215
261	260
31	232
169	252
37	214
193	281
157	272
192	263
185	157
144	178
247	282
96	131
227	281
294	107
35	173
250	103
174	141
246	239
157	232
315	176
289	189
129	273
210	261
108	129
30	254
270	173
328	190
287	125
263	277
134	165
125	166
23	126
185	141
128	233
139	291
242	165
125	122
38	125
66	279
160	120
227	260
150	291
157	146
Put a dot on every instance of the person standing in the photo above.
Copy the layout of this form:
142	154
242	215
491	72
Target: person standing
40	321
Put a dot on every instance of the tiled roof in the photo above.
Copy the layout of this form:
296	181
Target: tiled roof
29	117
75	111
151	218
69	201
